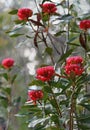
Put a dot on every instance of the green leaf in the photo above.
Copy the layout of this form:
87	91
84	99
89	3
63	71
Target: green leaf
5	75
85	16
17	101
84	119
56	84
64	102
54	128
53	102
15	35
29	37
13	12
37	82
55	119
84	127
59	33
73	38
66	17
45	1
87	95
49	50
63	57
13	79
47	89
86	78
45	18
85	105
22	22
4	103
14	30
2	96
7	90
36	122
31	108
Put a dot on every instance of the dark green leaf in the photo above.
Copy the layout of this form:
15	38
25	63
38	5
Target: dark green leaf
5	75
36	122
13	79
37	82
53	102
47	89
15	35
84	119
45	1
49	50
13	12
20	22
63	57
59	33
55	119
14	30
73	38
64	102
84	127
7	90
2	96
28	36
4	103
87	106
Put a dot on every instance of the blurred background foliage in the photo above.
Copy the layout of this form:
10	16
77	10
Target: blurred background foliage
19	48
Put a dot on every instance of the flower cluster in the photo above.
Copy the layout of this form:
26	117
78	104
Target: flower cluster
45	73
49	8
24	13
7	63
85	24
34	95
74	65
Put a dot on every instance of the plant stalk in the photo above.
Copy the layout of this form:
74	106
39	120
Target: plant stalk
58	109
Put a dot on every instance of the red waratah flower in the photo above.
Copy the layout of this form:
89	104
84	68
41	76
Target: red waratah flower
84	24
24	13
49	8
74	65
45	73
35	95
8	63
73	69
74	60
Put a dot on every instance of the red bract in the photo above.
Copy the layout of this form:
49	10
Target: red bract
24	13
45	73
84	24
49	8
73	69
35	95
8	63
74	65
74	60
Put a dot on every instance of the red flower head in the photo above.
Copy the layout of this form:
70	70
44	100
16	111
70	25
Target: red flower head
84	24
24	13
45	73
73	69
49	8
8	63
74	60
35	95
74	65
